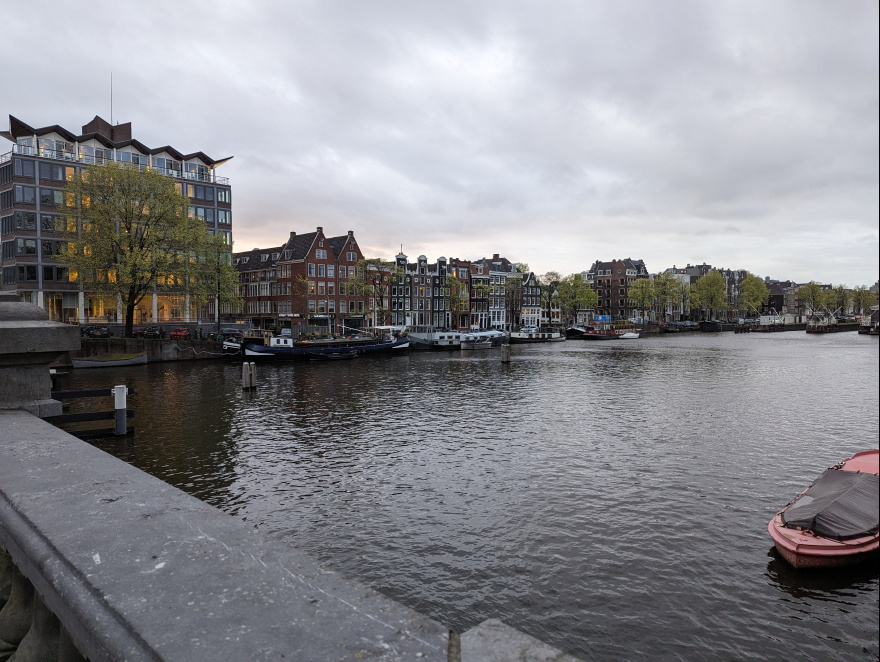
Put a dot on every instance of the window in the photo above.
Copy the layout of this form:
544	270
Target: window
342	307
312	305
321	253
351	257
24	168
321	270
311	270
224	195
25	194
331	271
27	272
331	289
321	288
25	220
224	216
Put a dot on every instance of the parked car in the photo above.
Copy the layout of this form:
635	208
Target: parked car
95	332
153	332
181	333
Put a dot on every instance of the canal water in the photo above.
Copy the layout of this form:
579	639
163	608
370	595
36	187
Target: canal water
609	498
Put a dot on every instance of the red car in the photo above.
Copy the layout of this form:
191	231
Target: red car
181	333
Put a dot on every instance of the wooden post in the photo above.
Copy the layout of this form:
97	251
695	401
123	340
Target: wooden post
248	376
505	353
120	394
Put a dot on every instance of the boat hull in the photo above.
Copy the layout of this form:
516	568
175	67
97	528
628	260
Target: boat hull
87	363
803	548
318	350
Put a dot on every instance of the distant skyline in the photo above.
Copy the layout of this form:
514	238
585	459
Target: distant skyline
743	134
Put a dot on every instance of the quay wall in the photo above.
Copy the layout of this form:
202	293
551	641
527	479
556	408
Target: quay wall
157	350
132	568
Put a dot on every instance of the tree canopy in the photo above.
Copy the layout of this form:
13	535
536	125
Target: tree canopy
812	295
134	235
753	293
575	294
710	292
642	294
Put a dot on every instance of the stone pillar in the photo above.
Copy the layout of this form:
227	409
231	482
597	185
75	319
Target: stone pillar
29	342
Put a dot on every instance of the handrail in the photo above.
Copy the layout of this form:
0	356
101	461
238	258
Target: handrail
70	157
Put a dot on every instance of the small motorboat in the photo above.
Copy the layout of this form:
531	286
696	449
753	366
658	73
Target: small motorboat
629	335
834	522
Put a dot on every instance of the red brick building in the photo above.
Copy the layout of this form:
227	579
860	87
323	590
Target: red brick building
303	281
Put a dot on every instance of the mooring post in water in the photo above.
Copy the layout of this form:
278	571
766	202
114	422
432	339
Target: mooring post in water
248	376
505	353
119	396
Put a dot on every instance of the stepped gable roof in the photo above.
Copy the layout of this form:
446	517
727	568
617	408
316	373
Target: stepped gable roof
252	260
111	136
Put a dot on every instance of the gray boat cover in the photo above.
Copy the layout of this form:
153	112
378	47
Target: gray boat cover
839	504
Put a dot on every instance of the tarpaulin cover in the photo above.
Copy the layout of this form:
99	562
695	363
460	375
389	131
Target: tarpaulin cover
840	504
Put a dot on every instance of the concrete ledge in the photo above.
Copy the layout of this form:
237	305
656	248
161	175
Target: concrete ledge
493	641
138	570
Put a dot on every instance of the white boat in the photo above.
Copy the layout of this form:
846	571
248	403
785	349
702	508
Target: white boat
475	341
532	334
629	335
430	337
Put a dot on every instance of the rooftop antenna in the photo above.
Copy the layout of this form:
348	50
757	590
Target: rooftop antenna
111	97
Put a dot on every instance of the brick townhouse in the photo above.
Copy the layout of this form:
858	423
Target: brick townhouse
303	281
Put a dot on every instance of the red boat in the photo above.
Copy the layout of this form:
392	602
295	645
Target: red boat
834	522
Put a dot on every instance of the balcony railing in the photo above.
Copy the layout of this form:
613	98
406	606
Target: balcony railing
71	157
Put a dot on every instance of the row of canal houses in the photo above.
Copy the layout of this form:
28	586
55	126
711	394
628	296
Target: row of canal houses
313	279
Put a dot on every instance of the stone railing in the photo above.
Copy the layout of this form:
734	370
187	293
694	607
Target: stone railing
101	561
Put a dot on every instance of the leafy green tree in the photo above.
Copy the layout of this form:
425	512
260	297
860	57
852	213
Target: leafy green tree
214	277
711	292
664	291
133	236
839	298
863	299
575	294
753	293
681	295
812	295
547	284
642	294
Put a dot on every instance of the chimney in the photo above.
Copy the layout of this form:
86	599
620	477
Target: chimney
495	256
351	234
320	229
293	235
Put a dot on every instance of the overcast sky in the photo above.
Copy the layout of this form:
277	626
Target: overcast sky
742	134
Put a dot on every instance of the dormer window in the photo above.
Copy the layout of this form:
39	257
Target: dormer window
264	257
321	243
287	255
275	256
244	260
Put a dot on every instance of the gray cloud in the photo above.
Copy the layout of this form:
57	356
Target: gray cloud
744	134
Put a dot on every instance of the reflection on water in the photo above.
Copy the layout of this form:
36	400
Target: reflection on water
610	498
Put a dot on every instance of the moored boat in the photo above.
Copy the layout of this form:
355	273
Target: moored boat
711	326
111	360
533	335
629	335
834	522
287	348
